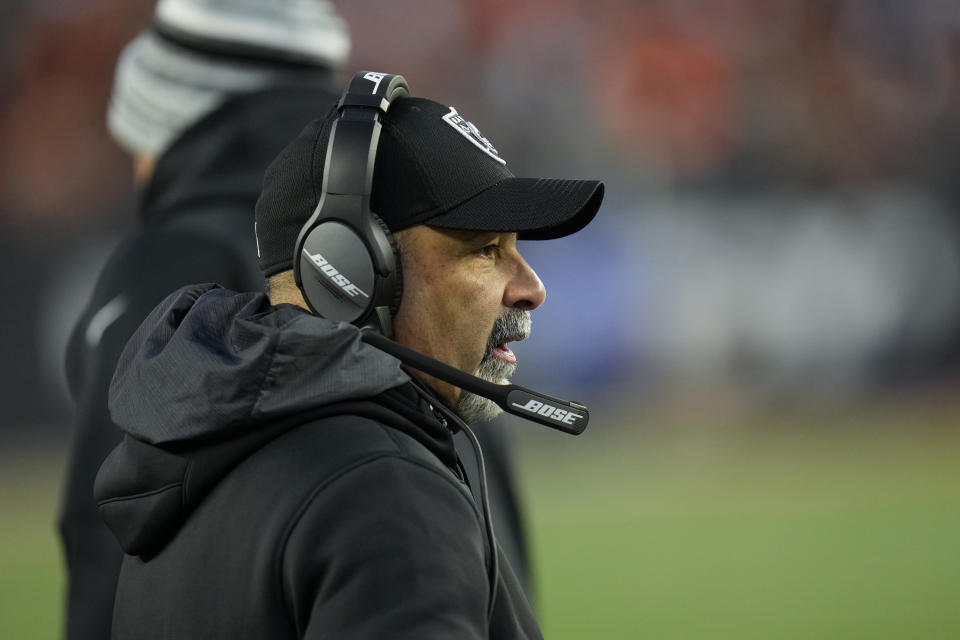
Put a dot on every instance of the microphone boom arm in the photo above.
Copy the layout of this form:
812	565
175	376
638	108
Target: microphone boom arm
563	415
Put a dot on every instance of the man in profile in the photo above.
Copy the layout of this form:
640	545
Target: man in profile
281	478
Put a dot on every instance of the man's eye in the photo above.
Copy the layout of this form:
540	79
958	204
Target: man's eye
490	251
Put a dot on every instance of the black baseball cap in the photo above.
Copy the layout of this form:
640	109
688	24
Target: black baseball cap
433	167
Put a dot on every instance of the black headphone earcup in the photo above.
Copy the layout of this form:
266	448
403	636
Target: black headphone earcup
336	272
398	267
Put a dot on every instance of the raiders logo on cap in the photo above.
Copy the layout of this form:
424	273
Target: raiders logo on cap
471	133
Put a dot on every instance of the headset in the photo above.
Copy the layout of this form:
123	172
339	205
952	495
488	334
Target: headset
346	264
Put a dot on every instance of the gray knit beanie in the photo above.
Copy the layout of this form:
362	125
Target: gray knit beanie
198	53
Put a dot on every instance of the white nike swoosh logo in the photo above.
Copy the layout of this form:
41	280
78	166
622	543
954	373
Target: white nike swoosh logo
103	318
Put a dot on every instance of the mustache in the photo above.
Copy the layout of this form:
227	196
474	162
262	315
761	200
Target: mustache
514	324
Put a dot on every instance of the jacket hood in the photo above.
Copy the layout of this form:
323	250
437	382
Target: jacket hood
208	348
212	375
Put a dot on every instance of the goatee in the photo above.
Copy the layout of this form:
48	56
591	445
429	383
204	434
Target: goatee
512	325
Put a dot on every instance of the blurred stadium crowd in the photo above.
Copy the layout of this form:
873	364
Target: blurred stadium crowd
783	207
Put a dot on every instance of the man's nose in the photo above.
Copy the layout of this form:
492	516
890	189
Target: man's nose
526	290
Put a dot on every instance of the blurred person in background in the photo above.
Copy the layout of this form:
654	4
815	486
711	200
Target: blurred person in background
203	100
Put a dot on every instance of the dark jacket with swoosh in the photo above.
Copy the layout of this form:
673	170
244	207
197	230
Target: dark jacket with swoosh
195	224
279	478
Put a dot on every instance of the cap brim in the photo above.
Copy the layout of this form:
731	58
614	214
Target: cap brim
534	208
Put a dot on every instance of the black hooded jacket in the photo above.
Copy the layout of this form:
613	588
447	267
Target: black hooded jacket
279	478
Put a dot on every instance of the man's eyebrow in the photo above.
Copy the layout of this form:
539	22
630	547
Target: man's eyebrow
469	237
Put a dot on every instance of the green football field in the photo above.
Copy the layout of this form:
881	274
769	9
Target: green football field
681	525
